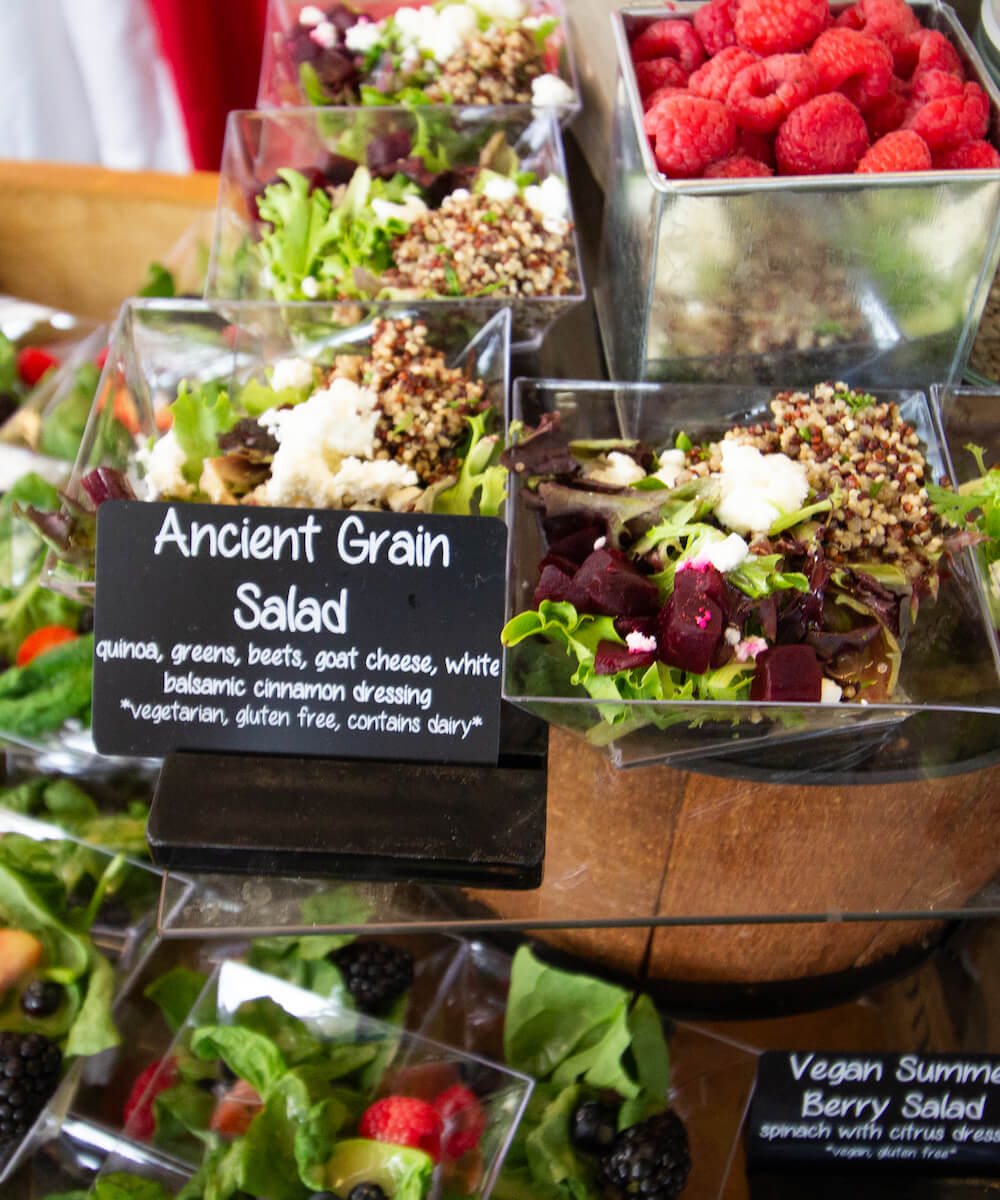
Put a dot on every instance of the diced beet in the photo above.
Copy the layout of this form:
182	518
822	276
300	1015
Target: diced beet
342	17
700	583
302	47
577	546
610	657
690	629
615	587
337	168
334	68
787	673
647	626
387	148
556	584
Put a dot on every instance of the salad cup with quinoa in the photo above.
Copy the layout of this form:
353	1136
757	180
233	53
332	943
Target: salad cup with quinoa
420	203
695	567
452	52
390	408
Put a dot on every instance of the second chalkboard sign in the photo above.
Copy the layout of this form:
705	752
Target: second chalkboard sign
293	631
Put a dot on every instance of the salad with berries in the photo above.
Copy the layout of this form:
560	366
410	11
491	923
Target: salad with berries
282	1093
63	906
451	52
785	560
599	1121
753	88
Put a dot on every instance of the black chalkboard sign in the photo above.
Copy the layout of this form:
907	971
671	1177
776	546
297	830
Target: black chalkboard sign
301	632
862	1113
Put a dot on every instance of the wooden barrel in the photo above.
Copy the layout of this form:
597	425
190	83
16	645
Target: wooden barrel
682	846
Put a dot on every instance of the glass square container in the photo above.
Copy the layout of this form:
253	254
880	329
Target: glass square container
947	662
159	343
258	144
286	81
969	417
879	280
388	1061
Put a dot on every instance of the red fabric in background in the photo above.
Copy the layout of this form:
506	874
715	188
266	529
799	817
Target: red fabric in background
213	49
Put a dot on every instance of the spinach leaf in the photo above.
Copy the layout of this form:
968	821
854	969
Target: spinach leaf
175	994
249	1055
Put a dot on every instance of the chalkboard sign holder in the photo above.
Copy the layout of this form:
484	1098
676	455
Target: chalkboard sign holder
459	824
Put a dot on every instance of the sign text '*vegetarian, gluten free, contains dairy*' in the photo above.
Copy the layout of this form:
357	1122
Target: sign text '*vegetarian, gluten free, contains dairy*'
286	631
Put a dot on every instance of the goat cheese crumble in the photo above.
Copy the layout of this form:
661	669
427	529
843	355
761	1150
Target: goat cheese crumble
756	489
325	451
550	91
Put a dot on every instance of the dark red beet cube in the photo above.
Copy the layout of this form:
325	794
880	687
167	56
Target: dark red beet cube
614	587
610	657
701	583
787	673
690	629
555	584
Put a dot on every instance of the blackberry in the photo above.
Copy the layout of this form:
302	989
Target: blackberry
42	998
366	1191
648	1161
375	973
30	1066
592	1127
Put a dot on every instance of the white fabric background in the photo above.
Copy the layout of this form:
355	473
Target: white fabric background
81	82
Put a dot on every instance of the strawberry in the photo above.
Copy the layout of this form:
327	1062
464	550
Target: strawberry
32	363
236	1109
138	1112
463	1119
403	1121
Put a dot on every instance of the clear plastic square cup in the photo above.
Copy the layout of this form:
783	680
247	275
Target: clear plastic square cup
289	61
301	1047
258	144
157	344
947	659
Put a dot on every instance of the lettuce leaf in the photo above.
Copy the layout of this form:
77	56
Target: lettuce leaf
201	413
482	482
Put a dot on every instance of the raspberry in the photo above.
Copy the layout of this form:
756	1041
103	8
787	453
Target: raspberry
714	25
715	78
763	95
779	26
980	156
887	113
32	363
137	1115
858	65
660	72
952	120
653	99
880	18
755	145
903	150
463	1118
925	50
403	1121
740	166
934	84
692	133
670	39
824	136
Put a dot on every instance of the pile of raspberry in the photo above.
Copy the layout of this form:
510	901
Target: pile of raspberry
765	87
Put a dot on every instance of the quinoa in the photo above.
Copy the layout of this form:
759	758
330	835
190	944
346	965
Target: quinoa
474	244
862	455
423	401
496	67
